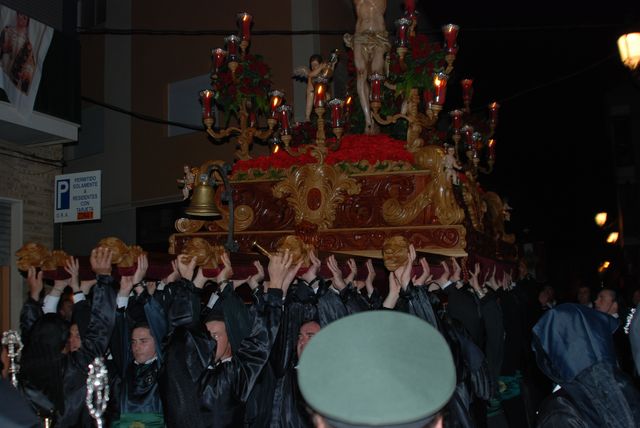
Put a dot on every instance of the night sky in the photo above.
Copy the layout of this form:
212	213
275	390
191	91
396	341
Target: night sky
550	66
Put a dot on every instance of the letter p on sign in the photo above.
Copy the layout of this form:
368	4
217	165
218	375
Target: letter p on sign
62	194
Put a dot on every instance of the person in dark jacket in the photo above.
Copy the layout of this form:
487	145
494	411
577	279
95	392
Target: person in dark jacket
574	348
53	382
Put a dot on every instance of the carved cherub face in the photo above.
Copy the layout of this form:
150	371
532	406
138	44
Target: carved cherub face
206	255
395	252
118	249
55	260
297	248
31	254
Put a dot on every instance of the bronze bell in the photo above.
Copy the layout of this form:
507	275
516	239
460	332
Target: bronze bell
203	202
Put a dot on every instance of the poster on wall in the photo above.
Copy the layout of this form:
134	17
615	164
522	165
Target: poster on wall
77	197
24	43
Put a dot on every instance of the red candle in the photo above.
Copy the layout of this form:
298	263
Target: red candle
468	134
440	88
252	119
450	32
492	148
336	112
456	117
411	6
245	21
218	55
320	92
467	90
276	100
376	86
205	98
493	109
283	117
232	45
403	25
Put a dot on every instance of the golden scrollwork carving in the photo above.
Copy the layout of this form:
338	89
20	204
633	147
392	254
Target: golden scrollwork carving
242	219
474	202
314	192
437	192
187	225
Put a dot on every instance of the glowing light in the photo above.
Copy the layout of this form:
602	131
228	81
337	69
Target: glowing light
601	219
612	238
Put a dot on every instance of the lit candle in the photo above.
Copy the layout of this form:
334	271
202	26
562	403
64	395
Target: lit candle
205	98
245	22
467	90
456	117
252	119
440	88
336	112
320	92
347	105
492	148
450	32
493	109
276	100
283	117
376	86
402	25
218	55
468	134
232	46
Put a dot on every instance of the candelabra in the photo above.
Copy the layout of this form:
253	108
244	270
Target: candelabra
251	94
410	112
11	339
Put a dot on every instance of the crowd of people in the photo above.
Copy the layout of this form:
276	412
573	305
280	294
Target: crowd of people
189	351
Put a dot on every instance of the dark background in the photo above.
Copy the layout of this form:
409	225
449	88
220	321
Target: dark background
551	66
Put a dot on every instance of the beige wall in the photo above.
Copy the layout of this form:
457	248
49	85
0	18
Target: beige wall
32	183
157	61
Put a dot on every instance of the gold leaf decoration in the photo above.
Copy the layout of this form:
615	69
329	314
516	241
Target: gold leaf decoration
314	191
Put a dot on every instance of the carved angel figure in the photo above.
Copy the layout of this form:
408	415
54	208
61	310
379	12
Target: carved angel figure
122	255
317	68
186	182
451	165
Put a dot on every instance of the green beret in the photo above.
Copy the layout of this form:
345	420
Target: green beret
377	368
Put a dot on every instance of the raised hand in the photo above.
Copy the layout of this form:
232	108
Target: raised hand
141	269
126	285
101	261
72	267
371	276
312	272
185	266
279	265
473	278
491	281
444	278
394	292
426	273
227	271
353	271
336	280
456	275
252	280
403	273
34	282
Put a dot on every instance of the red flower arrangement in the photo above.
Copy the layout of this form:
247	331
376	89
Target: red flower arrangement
250	83
357	153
